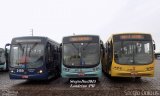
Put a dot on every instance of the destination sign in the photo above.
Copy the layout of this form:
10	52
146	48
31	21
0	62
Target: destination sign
74	39
131	36
81	39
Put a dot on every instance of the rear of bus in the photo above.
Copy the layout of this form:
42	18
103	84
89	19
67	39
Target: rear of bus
81	57
133	55
27	58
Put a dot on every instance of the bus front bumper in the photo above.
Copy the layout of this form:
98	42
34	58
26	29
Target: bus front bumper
29	77
132	74
82	75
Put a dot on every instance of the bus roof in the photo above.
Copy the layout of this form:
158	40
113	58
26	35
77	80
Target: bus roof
34	37
130	33
80	35
27	37
123	33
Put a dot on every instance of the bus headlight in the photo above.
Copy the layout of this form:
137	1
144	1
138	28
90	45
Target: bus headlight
96	69
66	69
12	71
40	71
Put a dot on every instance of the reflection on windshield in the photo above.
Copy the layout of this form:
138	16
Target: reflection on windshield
27	55
133	52
81	54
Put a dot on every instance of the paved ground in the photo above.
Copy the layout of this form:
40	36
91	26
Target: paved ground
59	87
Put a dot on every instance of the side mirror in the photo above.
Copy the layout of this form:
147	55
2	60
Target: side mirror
61	45
154	46
6	49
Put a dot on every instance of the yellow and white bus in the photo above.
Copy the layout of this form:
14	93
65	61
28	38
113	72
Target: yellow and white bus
129	55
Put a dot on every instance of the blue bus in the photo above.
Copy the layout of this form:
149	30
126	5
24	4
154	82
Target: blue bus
34	58
3	65
81	56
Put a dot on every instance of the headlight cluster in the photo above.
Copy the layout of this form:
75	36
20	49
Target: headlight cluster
40	71
11	71
149	68
66	69
96	69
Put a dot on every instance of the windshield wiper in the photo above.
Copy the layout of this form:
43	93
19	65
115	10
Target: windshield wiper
86	45
32	48
74	46
22	48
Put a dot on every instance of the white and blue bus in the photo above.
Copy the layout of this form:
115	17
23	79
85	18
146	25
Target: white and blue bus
34	58
81	56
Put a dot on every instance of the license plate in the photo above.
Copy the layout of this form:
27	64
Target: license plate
134	73
81	74
24	77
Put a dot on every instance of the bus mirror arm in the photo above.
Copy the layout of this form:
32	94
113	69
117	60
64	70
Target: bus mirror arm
61	45
8	44
7	56
6	50
154	46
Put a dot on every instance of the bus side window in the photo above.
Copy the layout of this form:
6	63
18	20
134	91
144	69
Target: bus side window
54	56
110	52
48	56
102	49
2	57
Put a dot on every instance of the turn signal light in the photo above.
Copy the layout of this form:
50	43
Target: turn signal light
149	68
66	69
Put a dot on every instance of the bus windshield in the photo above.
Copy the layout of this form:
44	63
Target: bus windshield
81	54
133	52
27	55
